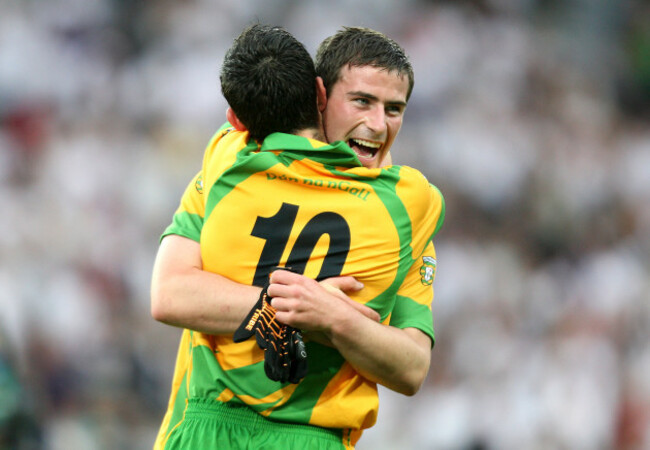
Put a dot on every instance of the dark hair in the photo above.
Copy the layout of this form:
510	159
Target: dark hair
268	79
356	46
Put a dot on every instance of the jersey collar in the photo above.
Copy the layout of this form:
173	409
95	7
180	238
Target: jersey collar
337	153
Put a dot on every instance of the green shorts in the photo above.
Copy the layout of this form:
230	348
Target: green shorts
215	425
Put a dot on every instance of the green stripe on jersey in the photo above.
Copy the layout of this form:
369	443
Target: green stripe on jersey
441	218
385	188
228	181
335	154
324	364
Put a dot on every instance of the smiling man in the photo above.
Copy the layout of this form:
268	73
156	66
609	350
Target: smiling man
368	79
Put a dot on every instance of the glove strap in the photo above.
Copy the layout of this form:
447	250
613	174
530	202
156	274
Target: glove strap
247	328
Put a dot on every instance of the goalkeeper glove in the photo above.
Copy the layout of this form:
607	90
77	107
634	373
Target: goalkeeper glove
285	355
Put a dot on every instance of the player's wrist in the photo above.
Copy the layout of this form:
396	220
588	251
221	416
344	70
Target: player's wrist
341	328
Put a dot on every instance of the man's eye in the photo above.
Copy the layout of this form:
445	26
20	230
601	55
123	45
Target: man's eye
394	110
362	101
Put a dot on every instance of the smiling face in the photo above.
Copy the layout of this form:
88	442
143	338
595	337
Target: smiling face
365	109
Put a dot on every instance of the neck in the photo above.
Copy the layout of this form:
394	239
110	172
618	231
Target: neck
311	133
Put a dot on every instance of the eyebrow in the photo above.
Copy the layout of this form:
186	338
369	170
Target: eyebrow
375	98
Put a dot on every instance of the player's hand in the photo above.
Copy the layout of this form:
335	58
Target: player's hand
312	306
341	286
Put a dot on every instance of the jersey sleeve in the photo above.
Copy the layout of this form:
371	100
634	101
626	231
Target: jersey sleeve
426	207
188	218
190	214
438	208
415	296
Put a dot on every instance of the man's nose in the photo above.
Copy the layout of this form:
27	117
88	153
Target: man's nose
376	120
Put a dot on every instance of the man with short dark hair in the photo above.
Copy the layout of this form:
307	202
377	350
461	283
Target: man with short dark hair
275	76
368	79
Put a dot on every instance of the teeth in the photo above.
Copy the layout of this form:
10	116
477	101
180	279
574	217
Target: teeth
367	143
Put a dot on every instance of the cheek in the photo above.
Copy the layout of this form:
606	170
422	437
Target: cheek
333	129
393	130
338	122
394	127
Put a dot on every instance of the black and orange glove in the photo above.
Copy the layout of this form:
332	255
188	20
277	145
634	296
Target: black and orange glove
285	355
297	355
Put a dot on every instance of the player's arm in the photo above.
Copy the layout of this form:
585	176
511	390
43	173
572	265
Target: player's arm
182	293
414	299
186	296
396	358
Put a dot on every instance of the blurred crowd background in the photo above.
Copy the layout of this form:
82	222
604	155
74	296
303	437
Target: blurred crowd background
531	116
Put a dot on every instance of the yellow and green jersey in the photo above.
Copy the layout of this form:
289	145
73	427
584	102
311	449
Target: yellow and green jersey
311	206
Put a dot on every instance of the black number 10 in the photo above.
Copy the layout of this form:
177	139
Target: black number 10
275	230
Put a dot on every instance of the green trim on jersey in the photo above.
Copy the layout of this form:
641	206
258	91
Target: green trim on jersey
441	218
335	154
185	224
407	308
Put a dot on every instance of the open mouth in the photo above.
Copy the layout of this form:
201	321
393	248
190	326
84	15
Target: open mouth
364	149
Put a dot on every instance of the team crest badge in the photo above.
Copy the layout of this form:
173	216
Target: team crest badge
198	184
428	270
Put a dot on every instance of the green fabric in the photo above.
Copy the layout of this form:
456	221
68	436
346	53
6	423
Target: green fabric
236	427
441	219
413	315
185	224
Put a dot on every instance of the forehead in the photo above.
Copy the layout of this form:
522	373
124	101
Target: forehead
385	85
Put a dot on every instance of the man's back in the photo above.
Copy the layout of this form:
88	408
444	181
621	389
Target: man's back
283	206
302	204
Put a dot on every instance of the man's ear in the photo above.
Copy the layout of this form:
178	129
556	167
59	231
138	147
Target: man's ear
234	120
321	94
